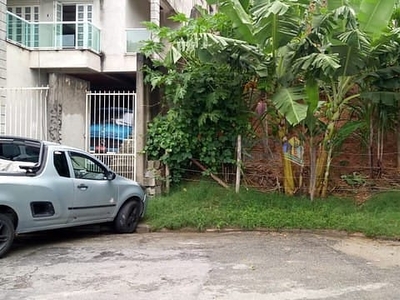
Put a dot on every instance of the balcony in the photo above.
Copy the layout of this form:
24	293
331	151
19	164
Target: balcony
52	35
135	38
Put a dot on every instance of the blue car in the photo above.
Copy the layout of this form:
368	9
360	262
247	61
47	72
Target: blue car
110	127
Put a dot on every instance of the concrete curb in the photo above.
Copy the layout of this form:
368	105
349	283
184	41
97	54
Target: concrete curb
145	228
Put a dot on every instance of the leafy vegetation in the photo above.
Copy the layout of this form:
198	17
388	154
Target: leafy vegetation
320	54
205	111
309	60
205	205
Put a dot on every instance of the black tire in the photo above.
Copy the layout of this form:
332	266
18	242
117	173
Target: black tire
128	217
7	234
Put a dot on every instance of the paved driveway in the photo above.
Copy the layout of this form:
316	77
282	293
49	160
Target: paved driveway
236	265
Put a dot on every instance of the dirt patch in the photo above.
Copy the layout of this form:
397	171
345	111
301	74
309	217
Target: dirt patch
383	254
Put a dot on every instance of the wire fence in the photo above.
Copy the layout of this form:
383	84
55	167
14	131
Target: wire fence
349	172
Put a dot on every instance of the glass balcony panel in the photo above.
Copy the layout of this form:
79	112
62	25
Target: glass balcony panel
48	35
135	38
94	42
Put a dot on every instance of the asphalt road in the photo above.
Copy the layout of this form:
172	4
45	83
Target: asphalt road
201	266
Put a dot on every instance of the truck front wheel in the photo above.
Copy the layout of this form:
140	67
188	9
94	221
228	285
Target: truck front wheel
128	217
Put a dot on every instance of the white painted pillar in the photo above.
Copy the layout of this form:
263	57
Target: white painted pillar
155	12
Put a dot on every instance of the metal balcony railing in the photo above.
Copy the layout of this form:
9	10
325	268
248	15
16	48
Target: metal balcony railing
135	38
52	35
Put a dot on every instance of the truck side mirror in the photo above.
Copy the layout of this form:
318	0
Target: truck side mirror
110	175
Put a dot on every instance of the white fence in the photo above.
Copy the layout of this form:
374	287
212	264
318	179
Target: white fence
23	112
110	130
2	116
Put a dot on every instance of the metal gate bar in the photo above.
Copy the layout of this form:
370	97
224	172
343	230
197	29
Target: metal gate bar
111	130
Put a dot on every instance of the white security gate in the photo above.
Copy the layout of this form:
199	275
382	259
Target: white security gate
111	130
23	112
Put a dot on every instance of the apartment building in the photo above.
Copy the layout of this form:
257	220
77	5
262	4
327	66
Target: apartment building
68	67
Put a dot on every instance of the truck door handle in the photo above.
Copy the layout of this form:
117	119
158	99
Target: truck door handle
83	186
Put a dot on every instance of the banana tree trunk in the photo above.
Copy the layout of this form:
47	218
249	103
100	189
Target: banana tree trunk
325	183
325	158
323	172
288	179
380	144
371	146
313	169
319	177
398	140
288	182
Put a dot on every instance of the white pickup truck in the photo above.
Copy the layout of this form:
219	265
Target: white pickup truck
45	186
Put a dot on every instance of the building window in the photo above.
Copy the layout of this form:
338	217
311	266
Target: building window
19	29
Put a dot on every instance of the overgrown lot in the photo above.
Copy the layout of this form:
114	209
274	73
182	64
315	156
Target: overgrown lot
205	205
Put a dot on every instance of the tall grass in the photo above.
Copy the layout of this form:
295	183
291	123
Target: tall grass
206	205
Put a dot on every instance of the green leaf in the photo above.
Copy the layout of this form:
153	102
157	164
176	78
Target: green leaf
276	23
239	17
351	62
346	130
319	65
385	97
288	103
374	15
312	91
179	17
334	4
173	56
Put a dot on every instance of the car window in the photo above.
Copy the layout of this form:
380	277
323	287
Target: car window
14	154
19	152
61	164
87	168
9	151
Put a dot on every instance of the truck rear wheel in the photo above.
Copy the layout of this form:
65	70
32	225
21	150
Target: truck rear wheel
7	233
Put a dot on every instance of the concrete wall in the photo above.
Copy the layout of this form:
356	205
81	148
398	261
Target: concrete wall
117	16
67	106
136	13
113	18
18	72
183	6
171	7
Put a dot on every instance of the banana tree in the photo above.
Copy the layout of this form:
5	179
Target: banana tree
296	45
270	26
338	49
379	109
380	99
327	41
